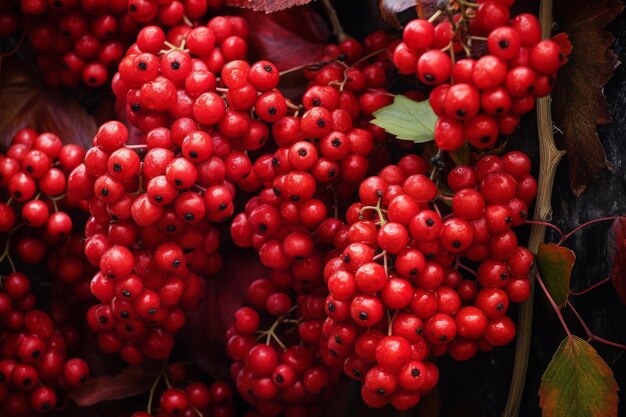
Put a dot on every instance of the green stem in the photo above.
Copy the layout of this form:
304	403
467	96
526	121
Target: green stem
155	384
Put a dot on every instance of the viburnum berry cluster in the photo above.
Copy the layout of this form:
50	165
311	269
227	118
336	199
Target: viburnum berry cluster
170	12
279	369
399	291
322	156
35	365
38	215
152	246
504	66
186	396
170	80
33	174
373	269
78	40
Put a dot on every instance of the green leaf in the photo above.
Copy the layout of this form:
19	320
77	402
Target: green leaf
555	266
578	383
407	119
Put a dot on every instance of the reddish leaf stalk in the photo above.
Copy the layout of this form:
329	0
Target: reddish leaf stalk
567	236
593	287
556	308
546	224
590	335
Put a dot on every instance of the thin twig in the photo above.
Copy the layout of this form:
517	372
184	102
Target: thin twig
593	287
155	384
338	31
590	335
556	308
603	219
546	224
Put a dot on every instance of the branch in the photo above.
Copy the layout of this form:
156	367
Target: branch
549	157
334	21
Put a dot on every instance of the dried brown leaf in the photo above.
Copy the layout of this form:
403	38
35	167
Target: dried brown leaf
579	103
267	6
389	9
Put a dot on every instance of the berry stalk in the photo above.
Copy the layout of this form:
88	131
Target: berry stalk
549	157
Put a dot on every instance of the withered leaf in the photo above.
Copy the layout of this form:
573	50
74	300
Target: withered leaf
267	6
289	38
579	103
36	106
390	8
128	383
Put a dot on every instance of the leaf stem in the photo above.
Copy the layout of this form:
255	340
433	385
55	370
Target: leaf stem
593	287
547	224
603	219
436	161
338	31
435	16
468	269
155	384
556	308
590	335
6	255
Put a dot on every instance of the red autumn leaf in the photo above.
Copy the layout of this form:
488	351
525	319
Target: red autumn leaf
267	6
224	293
33	105
128	383
579	103
562	39
618	271
289	38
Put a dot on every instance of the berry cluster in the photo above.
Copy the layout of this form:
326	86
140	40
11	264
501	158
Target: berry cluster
33	172
78	40
279	370
34	360
150	246
477	99
397	291
170	12
170	80
322	156
186	396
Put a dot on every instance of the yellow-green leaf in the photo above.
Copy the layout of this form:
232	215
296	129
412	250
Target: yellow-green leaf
555	266
578	383
407	119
